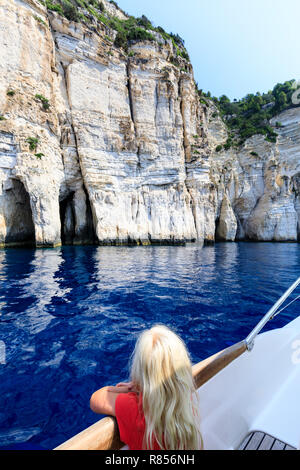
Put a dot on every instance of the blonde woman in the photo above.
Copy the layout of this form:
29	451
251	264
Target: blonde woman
158	409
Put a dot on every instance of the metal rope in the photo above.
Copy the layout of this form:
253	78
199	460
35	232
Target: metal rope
290	303
270	314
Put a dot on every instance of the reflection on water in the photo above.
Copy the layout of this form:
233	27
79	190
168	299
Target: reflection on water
41	285
70	317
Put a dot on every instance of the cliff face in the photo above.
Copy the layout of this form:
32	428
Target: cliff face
101	146
261	185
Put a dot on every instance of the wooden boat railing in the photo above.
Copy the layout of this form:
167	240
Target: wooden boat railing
104	435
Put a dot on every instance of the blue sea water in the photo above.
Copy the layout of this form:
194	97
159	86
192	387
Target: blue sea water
70	317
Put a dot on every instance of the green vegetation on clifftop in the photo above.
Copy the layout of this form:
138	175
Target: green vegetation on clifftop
129	29
251	115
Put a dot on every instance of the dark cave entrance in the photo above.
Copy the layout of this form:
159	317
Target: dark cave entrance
67	218
18	215
70	234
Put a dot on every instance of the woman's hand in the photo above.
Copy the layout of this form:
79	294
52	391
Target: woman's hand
123	387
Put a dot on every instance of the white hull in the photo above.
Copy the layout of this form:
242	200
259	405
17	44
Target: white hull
259	391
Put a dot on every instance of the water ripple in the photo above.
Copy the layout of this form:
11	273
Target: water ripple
70	318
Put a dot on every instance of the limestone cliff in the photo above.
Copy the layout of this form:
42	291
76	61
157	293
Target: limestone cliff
99	145
258	186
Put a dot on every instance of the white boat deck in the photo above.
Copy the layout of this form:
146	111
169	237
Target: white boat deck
257	393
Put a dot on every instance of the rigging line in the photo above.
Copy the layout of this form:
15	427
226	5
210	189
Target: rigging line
277	313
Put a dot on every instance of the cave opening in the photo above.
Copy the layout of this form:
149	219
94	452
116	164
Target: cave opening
18	215
73	232
67	218
91	236
217	223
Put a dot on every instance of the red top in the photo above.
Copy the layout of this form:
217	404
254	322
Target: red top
131	421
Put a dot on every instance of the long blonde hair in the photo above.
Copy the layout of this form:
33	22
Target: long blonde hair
161	370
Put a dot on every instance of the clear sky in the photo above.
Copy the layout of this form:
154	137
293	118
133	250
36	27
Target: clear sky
236	46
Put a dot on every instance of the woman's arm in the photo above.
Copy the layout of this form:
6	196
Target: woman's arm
103	401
